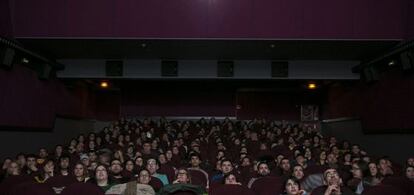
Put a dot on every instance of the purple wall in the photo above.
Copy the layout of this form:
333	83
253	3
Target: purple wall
6	29
27	102
341	19
410	26
387	104
177	101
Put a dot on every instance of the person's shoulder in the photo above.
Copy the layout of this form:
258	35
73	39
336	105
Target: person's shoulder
319	190
116	189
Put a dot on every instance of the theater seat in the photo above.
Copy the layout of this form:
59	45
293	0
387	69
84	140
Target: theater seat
230	190
31	188
268	186
384	190
82	189
198	177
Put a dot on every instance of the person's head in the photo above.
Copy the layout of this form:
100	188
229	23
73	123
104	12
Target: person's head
285	164
43	153
21	159
152	166
360	169
373	169
298	172
162	158
409	172
331	159
80	171
49	166
116	167
246	161
58	150
384	166
230	179
226	166
146	147
355	149
64	162
322	156
169	154
13	168
292	186
101	173
139	161
263	169
31	160
331	177
183	176
410	161
144	177
129	165
195	160
300	159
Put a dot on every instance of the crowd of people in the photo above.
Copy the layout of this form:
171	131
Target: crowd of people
206	156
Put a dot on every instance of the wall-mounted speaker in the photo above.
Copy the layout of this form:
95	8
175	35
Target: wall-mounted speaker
407	60
169	68
280	69
6	57
114	68
371	74
225	68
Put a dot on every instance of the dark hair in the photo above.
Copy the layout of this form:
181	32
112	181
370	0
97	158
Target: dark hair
296	181
363	166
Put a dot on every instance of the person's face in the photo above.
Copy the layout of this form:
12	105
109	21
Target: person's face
182	176
31	162
332	177
92	156
292	188
129	166
162	159
355	149
356	171
298	172
101	173
147	147
383	166
49	167
246	162
59	149
152	166
226	167
285	165
231	179
13	169
93	166
300	159
410	161
263	170
175	150
322	156
64	163
331	159
373	169
409	172
144	177
79	170
139	162
42	153
21	160
168	154
195	161
116	167
347	158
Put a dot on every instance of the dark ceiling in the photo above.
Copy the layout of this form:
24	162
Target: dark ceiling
208	49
